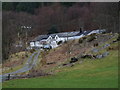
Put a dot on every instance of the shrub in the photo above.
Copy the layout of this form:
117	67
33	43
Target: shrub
93	34
84	38
23	57
80	40
91	38
104	32
26	55
118	39
32	50
112	48
95	44
16	55
53	29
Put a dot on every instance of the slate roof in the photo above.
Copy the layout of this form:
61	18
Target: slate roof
64	34
87	32
68	34
40	37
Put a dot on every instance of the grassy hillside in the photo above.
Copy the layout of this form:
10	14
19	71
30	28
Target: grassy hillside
100	73
85	73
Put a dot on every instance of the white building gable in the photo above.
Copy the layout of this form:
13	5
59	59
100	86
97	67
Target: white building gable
53	44
49	39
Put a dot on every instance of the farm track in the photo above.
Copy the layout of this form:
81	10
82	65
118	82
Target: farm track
31	62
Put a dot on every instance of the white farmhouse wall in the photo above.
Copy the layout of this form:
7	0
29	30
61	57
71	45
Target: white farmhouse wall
63	39
32	44
37	44
53	44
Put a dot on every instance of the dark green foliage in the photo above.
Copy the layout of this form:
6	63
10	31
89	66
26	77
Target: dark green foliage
84	38
87	56
9	6
91	38
118	39
53	29
20	6
80	40
95	44
104	32
26	55
68	4
32	50
113	48
27	6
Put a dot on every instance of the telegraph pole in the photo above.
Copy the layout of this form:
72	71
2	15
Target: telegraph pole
26	36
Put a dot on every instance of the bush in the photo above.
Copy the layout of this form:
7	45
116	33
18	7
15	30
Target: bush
53	29
80	40
118	39
32	50
104	32
26	55
95	44
113	48
23	57
91	38
84	38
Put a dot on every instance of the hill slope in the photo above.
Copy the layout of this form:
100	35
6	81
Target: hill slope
91	74
85	73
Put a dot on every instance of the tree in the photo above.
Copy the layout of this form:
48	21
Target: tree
8	6
68	4
52	30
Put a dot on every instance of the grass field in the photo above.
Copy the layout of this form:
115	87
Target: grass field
99	73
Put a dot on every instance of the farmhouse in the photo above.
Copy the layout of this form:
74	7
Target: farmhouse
53	40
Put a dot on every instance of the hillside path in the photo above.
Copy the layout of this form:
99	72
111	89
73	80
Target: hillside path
28	66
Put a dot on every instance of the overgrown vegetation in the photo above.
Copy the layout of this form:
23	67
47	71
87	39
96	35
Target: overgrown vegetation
91	37
32	50
81	40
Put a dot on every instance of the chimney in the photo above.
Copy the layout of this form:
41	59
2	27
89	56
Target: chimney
80	30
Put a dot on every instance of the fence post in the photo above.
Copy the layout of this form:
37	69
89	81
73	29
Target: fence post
8	76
